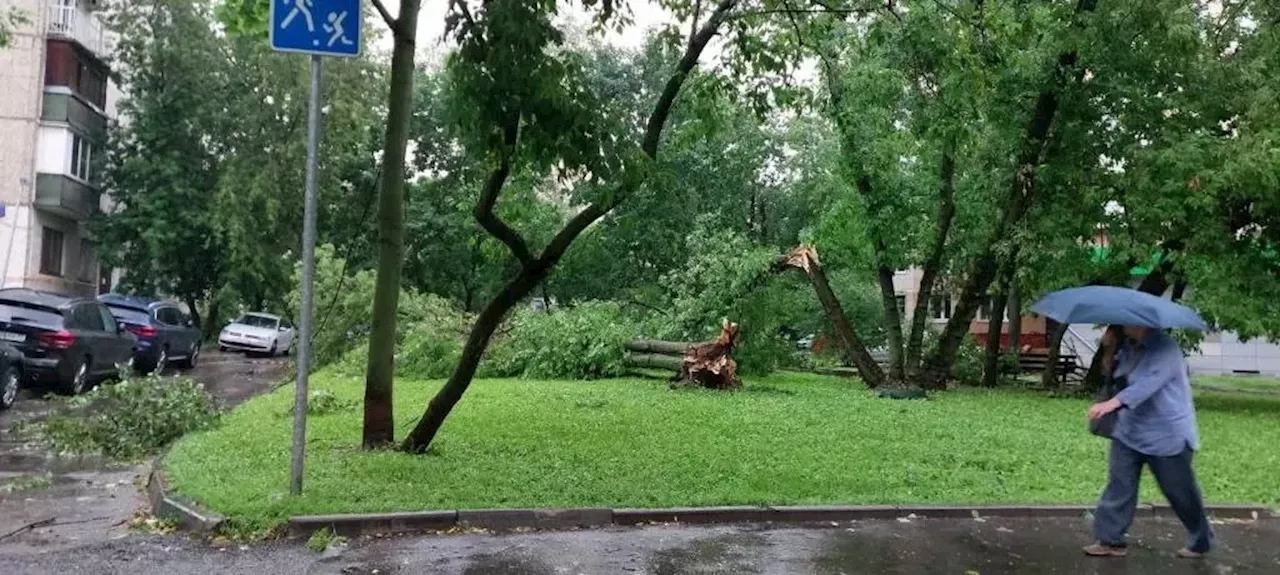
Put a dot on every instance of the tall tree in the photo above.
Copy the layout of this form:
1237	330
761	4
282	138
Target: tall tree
162	167
379	424
530	100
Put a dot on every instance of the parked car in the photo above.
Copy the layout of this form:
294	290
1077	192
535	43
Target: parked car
10	374
165	334
68	342
258	333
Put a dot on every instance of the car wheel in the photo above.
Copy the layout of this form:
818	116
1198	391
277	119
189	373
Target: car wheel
9	384
161	362
274	351
80	379
192	357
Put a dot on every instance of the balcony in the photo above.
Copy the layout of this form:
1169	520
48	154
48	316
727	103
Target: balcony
68	22
66	197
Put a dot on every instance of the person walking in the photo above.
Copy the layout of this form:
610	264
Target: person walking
1156	427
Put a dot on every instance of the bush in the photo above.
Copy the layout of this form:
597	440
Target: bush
427	325
967	369
580	342
133	418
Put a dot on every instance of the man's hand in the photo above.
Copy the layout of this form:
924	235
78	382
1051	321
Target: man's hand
1097	410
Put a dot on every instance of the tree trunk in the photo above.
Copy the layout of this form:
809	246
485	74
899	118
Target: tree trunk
991	358
1015	316
659	347
534	270
214	318
1049	378
929	274
888	296
195	314
1018	201
892	319
855	350
655	361
379	423
487	322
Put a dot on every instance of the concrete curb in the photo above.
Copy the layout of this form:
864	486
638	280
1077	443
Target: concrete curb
167	506
560	519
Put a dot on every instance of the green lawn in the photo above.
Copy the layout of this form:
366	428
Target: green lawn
788	439
1248	383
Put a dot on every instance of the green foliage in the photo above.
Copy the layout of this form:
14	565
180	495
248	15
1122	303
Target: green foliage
133	418
968	367
430	328
10	19
802	442
580	342
322	539
729	277
207	174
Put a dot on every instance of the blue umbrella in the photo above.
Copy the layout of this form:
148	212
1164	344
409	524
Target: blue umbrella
1116	305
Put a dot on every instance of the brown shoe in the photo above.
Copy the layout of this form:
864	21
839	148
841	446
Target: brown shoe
1102	550
1189	554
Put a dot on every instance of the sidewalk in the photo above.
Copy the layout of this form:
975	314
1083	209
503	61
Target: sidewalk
943	546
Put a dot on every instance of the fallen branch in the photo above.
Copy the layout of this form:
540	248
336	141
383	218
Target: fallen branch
29	526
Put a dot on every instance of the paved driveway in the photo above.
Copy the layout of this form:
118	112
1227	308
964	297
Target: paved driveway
77	501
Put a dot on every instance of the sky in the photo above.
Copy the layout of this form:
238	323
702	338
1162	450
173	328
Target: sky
646	14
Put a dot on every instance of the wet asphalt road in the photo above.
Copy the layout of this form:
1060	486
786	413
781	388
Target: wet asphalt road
84	501
940	546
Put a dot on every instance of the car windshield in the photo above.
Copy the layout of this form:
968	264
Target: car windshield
258	321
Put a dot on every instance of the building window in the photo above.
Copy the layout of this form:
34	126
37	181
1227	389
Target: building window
81	156
51	252
940	306
86	261
902	305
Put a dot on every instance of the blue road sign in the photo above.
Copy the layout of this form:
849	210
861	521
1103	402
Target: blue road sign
317	27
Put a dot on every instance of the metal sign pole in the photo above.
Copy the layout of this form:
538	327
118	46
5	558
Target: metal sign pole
308	280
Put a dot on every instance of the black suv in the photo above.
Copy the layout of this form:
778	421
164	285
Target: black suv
68	342
165	334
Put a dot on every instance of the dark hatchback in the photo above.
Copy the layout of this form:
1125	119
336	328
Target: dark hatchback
165	334
70	343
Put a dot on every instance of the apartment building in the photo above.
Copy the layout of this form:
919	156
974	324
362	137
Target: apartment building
55	103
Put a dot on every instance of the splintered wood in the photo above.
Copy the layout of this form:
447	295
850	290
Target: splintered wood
711	365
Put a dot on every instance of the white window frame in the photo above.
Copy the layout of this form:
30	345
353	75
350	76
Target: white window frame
81	158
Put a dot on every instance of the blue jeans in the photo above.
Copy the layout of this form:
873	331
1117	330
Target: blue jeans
1178	483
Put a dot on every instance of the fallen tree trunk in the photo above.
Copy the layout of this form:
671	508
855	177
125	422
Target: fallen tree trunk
654	361
660	347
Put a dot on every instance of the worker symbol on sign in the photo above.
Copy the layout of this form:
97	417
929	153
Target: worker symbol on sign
334	27
302	7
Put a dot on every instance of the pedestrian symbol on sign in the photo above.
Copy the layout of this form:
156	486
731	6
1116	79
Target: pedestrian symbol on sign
335	27
319	27
302	7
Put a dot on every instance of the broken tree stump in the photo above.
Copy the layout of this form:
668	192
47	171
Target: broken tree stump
711	365
702	364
